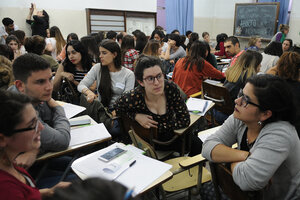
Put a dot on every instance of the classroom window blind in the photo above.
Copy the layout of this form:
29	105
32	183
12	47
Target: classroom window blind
106	20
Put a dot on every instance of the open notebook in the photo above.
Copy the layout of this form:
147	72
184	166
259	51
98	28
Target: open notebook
139	176
198	106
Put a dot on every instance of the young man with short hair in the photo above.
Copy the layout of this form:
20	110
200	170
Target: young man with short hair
232	48
33	77
7	27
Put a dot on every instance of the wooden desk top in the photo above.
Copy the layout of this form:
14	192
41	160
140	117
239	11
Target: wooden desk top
194	118
73	148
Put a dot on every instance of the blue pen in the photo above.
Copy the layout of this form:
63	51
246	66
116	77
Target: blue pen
128	194
205	106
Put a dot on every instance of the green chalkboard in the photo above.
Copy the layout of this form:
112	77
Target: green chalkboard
256	19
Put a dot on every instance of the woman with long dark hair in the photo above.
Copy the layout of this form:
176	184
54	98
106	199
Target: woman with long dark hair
189	72
129	54
75	66
112	78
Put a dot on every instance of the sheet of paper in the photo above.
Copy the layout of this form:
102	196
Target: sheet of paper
88	134
195	104
212	81
70	109
133	177
203	135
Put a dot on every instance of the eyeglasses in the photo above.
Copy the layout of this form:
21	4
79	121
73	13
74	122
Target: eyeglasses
35	127
246	100
151	79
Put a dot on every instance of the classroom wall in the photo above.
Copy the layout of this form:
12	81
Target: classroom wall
68	15
217	16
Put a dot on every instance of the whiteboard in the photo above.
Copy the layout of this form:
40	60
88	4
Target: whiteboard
146	25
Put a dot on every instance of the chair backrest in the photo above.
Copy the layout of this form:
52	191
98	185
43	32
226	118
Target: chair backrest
146	134
142	144
220	96
222	178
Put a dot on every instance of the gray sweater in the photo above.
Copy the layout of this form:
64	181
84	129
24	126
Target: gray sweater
56	133
122	81
274	164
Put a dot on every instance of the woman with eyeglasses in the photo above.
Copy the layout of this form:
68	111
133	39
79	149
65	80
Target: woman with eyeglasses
262	124
19	132
156	103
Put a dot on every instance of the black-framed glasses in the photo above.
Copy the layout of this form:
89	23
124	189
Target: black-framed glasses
151	79
35	127
246	100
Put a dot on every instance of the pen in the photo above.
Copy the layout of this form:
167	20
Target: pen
128	193
205	106
131	164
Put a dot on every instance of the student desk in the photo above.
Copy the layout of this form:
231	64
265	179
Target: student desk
183	131
73	148
162	179
48	156
133	177
206	133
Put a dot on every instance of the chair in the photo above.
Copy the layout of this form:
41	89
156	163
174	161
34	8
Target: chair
219	95
186	173
222	178
149	135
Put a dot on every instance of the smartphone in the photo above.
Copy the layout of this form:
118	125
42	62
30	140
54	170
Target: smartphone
108	156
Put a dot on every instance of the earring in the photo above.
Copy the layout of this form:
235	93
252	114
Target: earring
259	123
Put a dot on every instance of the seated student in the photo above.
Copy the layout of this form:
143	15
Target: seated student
36	44
7	27
206	38
232	48
119	38
111	35
194	37
55	43
220	49
270	55
288	69
20	131
33	77
90	44
93	189
6	76
189	72
247	65
74	68
129	54
13	42
267	157
153	48
156	103
175	31
174	50
287	45
21	37
211	58
112	78
254	43
140	40
159	36
62	55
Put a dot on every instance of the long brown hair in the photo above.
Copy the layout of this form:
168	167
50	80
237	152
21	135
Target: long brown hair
105	87
60	41
288	66
195	56
151	48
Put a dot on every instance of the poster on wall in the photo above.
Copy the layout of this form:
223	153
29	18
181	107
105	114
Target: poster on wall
146	25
